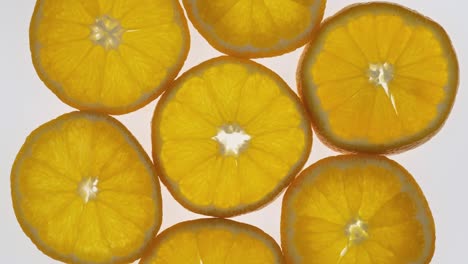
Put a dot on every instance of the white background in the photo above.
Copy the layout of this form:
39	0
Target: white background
439	165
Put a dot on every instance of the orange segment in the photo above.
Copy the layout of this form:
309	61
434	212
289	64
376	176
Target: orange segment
212	241
108	56
229	136
356	209
250	28
85	191
378	78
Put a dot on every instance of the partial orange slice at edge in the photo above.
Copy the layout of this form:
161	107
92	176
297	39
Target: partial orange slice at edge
252	29
356	209
214	240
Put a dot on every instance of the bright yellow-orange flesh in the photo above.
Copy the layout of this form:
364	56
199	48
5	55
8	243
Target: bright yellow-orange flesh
356	210
379	78
110	56
251	28
85	191
229	136
213	241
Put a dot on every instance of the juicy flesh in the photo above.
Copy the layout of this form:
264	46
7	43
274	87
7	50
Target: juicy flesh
263	122
380	78
95	218
255	25
195	244
107	53
356	215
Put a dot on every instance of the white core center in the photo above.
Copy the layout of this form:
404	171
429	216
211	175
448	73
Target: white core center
357	232
88	188
381	75
232	139
107	32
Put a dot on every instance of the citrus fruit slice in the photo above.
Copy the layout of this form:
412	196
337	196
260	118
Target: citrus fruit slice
213	241
378	78
356	209
229	136
84	190
108	56
252	29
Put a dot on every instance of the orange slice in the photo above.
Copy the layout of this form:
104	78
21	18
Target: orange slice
250	28
229	136
356	209
108	56
84	190
213	241
378	78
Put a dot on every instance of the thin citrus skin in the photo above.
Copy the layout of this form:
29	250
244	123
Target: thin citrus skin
144	99
32	233
395	146
173	186
305	181
276	49
212	224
